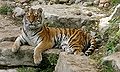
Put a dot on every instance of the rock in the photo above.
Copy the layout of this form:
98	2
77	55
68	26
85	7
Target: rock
87	4
21	1
106	5
18	4
18	12
68	16
114	60
104	22
96	2
101	5
24	4
55	1
74	63
9	70
35	3
71	1
77	1
104	1
63	1
89	14
117	47
41	1
23	57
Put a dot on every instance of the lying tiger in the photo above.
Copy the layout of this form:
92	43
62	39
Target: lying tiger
35	33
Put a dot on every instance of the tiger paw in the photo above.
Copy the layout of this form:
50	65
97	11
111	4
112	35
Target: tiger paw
14	49
37	59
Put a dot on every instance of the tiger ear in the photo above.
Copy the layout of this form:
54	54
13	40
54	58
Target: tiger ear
40	10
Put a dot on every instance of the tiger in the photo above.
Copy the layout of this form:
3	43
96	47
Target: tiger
42	37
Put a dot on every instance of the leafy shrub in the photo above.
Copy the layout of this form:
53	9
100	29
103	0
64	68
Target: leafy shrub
47	64
5	9
23	69
113	35
114	2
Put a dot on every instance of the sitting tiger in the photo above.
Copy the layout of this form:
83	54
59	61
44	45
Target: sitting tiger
35	33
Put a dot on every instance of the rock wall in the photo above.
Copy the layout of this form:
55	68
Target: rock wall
69	16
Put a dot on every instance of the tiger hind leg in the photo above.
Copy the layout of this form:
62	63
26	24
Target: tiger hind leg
68	50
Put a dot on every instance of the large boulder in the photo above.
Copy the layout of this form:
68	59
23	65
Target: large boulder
24	57
74	63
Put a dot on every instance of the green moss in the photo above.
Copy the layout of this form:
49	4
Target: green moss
5	9
23	69
113	34
107	67
47	65
115	2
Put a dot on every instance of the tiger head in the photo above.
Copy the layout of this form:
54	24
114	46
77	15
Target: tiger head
33	18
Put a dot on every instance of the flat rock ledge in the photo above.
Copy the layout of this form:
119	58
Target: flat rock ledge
65	63
24	57
74	63
113	60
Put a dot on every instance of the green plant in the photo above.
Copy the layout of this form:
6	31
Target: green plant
47	65
5	9
113	35
115	2
107	67
28	69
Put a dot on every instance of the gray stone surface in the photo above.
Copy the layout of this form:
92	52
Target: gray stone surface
69	16
9	70
23	57
18	12
74	63
114	60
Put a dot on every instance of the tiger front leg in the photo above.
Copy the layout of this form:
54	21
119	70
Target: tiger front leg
42	46
16	44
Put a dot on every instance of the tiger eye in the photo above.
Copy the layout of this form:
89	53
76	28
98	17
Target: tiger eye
28	14
35	15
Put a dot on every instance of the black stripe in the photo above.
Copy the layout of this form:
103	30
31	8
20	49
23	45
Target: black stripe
39	30
24	39
65	31
60	34
72	37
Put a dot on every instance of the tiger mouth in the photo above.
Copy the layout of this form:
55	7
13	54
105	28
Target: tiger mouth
32	26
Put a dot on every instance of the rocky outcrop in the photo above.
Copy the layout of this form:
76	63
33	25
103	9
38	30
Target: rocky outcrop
69	16
113	60
24	57
74	63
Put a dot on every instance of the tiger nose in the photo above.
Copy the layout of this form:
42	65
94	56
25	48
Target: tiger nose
31	21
